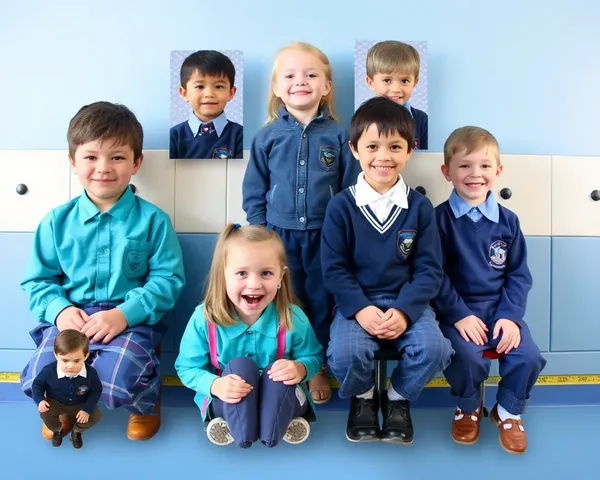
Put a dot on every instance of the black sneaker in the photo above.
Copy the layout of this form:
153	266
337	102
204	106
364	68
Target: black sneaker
363	420
57	439
397	424
76	439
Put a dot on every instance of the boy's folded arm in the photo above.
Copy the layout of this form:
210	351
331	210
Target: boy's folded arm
165	280
517	282
42	281
427	275
337	274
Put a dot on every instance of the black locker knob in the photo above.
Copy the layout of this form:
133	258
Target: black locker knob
421	190
595	195
133	188
506	193
22	189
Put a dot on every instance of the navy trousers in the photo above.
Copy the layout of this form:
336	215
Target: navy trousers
265	413
519	370
303	251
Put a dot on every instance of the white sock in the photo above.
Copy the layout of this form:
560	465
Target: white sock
393	395
368	395
504	414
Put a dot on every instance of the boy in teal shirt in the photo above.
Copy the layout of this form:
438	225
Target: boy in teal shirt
108	264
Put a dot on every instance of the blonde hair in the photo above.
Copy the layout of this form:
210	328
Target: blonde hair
393	56
470	139
328	101
218	308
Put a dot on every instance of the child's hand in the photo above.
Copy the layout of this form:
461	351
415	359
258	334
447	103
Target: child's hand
230	388
82	417
370	318
472	328
394	324
105	325
71	318
43	406
511	335
287	371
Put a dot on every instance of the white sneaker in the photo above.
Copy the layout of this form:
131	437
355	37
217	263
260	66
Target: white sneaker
297	431
218	432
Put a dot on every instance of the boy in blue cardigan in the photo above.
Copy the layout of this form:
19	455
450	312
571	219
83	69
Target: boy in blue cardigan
482	300
382	262
69	387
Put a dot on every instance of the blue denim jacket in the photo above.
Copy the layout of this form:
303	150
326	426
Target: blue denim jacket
294	171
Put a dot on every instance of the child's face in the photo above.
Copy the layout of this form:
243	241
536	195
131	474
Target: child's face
71	363
105	169
252	273
473	175
208	95
382	158
397	86
300	80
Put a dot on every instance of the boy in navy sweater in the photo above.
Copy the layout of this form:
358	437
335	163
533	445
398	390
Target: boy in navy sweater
482	300
68	387
393	71
207	84
382	262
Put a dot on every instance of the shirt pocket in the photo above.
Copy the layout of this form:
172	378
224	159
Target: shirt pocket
135	258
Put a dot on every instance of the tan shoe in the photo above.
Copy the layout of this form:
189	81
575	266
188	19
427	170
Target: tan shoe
319	388
465	427
512	433
66	424
143	427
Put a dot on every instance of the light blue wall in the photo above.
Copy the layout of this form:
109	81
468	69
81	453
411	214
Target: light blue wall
526	69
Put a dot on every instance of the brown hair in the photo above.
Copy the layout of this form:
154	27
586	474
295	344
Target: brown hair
327	101
393	56
218	309
70	341
105	121
470	139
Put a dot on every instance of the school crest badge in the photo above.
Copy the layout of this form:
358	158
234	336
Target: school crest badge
136	263
406	240
327	157
497	253
222	152
82	390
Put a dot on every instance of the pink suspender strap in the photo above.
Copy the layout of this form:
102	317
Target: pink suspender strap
212	345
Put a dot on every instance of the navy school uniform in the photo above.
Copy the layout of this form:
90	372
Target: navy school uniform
421	128
486	275
193	139
293	173
393	263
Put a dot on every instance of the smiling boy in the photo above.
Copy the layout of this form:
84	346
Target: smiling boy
208	84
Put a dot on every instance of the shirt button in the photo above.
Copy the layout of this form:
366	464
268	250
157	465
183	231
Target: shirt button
248	332
301	190
103	251
100	285
302	219
302	162
304	135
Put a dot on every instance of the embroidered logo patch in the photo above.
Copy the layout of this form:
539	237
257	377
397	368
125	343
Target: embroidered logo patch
222	152
497	253
327	157
136	263
406	240
82	390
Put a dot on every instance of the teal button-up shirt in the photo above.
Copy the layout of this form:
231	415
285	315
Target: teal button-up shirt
128	254
258	342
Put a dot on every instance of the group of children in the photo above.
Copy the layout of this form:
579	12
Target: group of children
334	265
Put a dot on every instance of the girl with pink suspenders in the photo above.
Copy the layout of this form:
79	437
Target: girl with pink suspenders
248	350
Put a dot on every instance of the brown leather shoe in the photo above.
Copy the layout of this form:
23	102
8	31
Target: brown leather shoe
143	427
66	423
512	433
465	427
